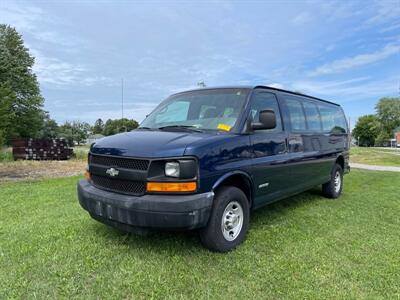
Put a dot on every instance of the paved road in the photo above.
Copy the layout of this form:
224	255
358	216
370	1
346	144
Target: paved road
374	168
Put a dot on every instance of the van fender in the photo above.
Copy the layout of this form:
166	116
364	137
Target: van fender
233	173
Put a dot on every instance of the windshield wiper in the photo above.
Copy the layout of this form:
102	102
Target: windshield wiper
186	127
145	128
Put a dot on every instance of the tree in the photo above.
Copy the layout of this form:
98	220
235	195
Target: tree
98	127
75	132
65	131
388	114
120	125
81	131
19	85
50	128
383	138
6	113
366	130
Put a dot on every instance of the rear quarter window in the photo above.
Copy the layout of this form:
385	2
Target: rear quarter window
333	119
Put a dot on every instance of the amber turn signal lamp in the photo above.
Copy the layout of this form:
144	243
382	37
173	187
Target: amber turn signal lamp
172	186
87	174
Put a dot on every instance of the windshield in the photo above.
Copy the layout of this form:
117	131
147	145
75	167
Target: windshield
217	109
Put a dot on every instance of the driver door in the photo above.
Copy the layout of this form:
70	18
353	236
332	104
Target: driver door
269	148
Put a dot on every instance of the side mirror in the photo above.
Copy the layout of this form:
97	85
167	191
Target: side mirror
267	120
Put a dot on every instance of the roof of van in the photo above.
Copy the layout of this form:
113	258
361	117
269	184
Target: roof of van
261	86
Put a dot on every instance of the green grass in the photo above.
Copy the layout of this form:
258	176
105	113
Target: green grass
375	156
81	152
305	247
6	155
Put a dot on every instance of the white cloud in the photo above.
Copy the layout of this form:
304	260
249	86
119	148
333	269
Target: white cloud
93	80
24	18
159	49
330	47
391	27
276	85
349	90
301	18
51	70
136	111
344	64
385	11
69	43
37	23
54	71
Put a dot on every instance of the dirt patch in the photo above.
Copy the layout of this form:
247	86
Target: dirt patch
28	170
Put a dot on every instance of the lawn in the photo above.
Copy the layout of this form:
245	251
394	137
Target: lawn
302	247
375	156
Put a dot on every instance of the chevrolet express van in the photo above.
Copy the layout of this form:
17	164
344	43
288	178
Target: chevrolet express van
204	159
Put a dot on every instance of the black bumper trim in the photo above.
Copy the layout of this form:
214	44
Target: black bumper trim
152	211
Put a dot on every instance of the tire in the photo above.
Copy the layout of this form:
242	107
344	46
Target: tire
333	188
229	220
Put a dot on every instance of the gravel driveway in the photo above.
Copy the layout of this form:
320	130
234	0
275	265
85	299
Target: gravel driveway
27	170
374	168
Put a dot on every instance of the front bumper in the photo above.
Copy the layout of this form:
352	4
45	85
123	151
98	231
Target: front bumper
148	211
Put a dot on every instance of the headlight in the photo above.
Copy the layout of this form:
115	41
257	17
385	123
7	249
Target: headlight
172	169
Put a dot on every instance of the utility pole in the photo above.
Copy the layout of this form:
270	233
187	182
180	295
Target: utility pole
350	134
122	96
349	124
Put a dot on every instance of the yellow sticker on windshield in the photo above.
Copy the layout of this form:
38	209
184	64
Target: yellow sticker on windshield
224	127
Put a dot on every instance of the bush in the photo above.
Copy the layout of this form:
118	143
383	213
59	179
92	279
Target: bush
383	139
2	139
81	153
6	154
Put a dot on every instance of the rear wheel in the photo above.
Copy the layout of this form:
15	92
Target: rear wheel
333	188
229	220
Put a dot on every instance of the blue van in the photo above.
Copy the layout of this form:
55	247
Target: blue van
204	159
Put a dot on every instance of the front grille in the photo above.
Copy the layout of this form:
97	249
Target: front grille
119	185
128	163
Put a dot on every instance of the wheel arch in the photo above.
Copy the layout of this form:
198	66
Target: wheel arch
340	161
238	179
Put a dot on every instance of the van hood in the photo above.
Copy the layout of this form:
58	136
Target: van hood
149	143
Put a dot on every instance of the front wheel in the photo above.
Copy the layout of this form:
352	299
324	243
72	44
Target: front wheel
333	188
229	220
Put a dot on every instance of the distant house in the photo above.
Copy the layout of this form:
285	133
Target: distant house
93	138
396	141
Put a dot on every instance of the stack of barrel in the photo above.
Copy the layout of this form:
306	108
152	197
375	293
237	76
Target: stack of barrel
41	149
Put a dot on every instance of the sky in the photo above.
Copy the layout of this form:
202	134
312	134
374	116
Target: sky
344	51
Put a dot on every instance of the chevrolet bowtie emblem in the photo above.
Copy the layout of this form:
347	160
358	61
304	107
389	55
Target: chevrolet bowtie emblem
112	172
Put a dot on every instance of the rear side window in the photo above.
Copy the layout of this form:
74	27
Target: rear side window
262	101
333	119
312	115
296	114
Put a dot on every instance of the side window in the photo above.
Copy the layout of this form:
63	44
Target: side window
296	114
176	111
333	119
328	121
340	121
262	101
312	115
